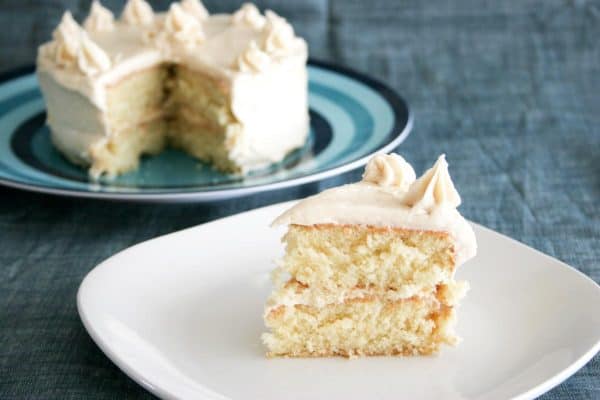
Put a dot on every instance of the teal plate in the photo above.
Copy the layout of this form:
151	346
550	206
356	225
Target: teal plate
352	117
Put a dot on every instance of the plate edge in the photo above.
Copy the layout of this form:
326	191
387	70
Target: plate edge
532	393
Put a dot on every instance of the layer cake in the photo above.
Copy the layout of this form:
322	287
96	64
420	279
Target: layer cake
369	267
229	89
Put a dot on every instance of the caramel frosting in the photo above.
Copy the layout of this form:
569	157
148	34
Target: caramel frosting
278	34
390	170
138	13
100	19
253	59
226	46
183	27
291	293
195	8
433	189
91	59
249	15
73	50
385	198
66	42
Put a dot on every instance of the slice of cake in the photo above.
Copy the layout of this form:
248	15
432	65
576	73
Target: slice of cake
369	267
228	89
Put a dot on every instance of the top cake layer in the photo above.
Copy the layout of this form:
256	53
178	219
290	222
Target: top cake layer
228	46
389	196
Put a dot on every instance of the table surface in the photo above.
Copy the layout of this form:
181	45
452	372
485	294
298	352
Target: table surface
510	91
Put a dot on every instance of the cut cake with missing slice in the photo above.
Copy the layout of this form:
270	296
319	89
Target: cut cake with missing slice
228	89
369	267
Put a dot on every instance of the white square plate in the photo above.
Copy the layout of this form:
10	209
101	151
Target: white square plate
182	316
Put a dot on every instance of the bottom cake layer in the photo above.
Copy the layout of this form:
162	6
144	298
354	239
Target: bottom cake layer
360	326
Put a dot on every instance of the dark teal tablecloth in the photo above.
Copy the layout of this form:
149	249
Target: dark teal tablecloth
510	91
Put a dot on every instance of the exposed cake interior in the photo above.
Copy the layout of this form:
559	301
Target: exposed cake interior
164	106
202	122
137	98
137	120
336	256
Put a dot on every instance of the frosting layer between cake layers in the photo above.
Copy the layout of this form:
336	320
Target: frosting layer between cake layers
256	58
292	293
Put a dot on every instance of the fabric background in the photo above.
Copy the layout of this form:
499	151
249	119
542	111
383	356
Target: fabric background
509	90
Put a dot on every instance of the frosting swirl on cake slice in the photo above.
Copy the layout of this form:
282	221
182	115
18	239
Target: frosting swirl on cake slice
433	189
389	170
